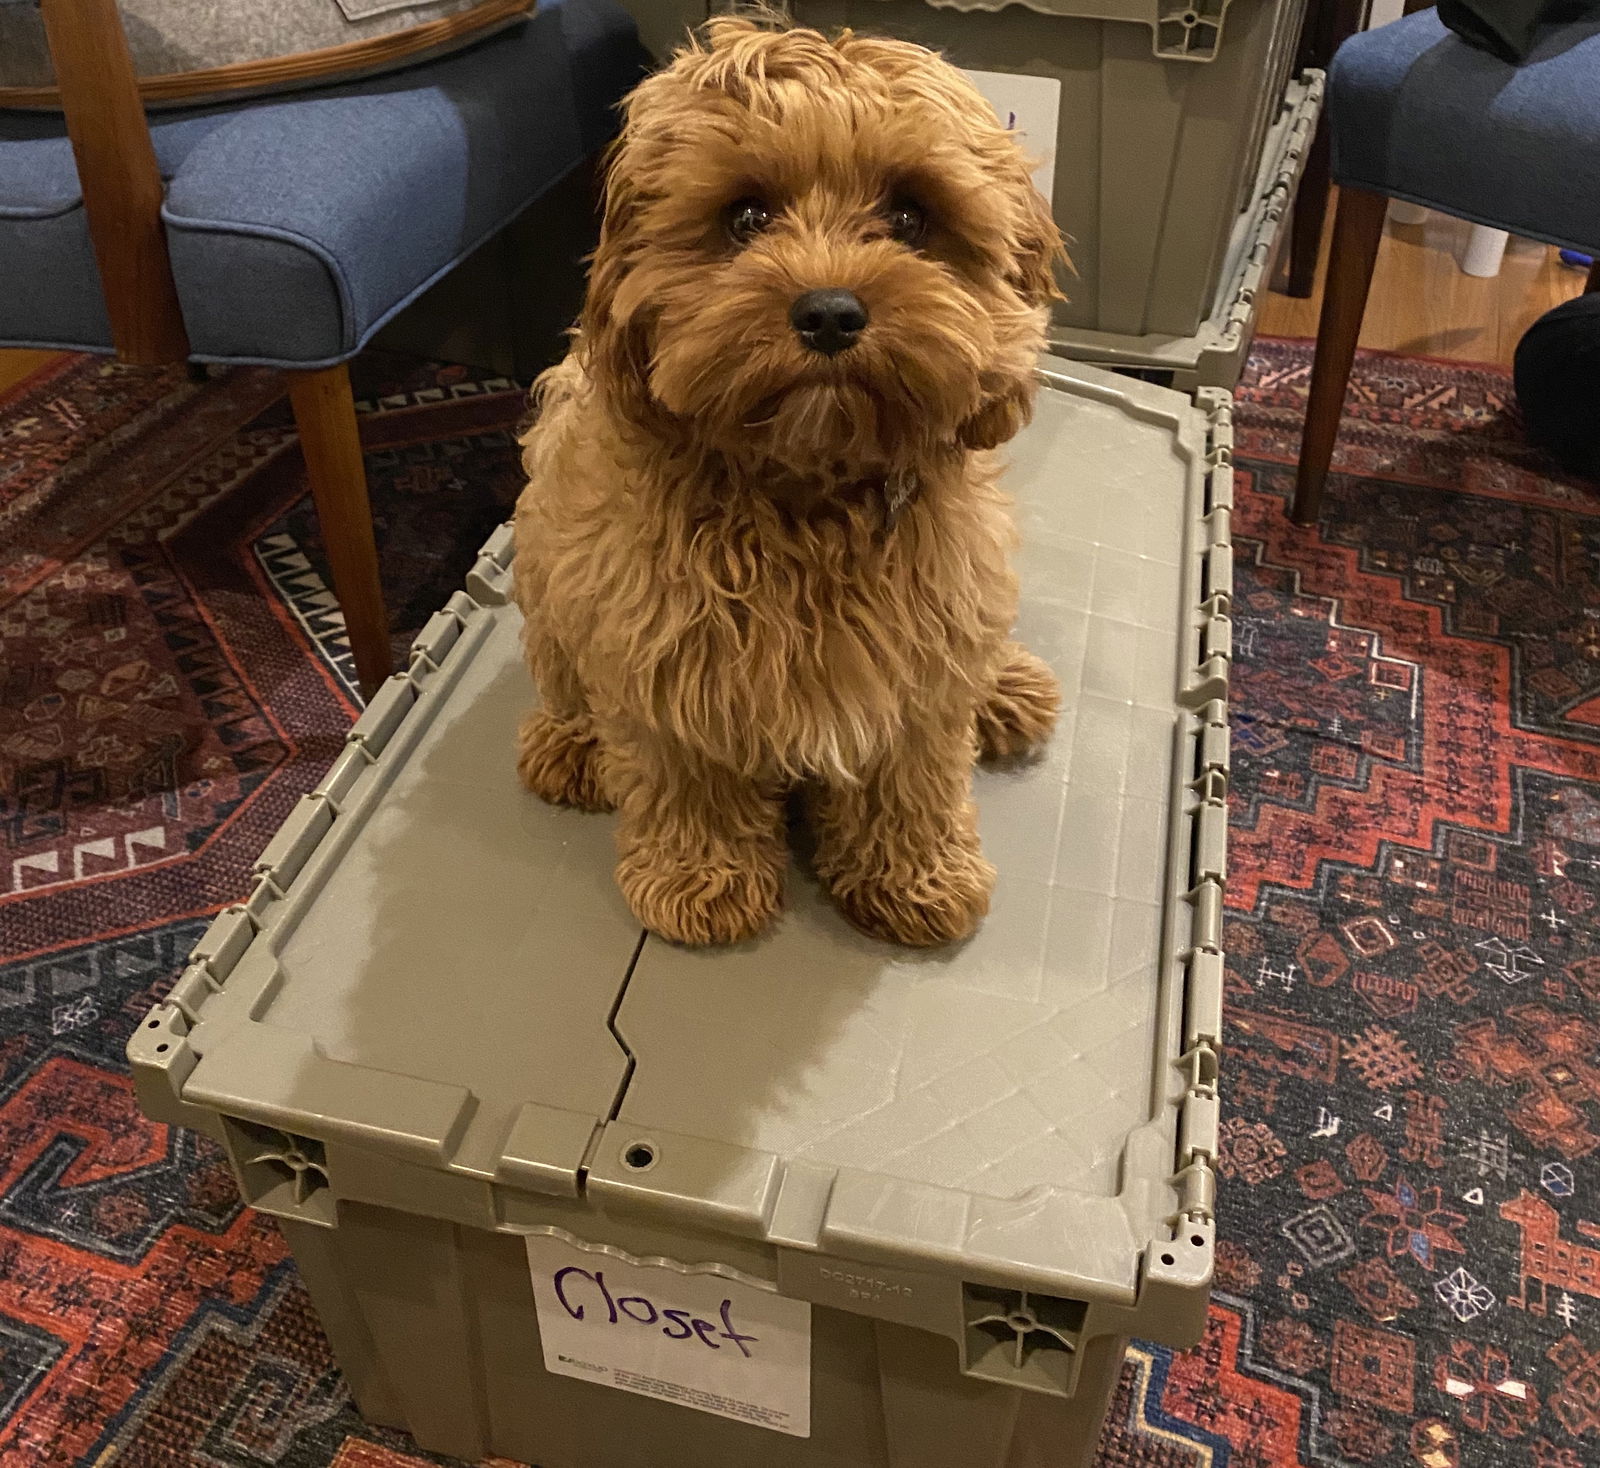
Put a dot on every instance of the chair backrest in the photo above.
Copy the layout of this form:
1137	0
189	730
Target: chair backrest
119	178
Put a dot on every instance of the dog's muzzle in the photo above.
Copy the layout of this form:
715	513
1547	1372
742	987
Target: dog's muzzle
828	321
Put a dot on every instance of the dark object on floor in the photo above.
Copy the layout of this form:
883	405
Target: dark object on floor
1558	384
1506	28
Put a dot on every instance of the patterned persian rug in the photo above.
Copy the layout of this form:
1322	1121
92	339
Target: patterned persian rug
1409	1271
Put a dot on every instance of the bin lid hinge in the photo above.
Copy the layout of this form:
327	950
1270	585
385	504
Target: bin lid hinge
1198	1131
1201	1065
1197	1191
1202	1007
1209	857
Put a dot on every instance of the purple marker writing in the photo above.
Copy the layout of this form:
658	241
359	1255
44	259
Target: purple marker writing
681	1325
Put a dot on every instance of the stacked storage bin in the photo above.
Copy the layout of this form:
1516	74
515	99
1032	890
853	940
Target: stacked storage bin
1179	139
568	1194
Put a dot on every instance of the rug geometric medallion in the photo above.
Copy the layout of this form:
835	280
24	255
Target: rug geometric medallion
1408	1269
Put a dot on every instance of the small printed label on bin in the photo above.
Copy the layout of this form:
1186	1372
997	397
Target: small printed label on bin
1031	107
690	1337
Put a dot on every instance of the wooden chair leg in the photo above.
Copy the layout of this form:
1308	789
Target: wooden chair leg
1309	216
118	176
325	414
1357	232
1328	24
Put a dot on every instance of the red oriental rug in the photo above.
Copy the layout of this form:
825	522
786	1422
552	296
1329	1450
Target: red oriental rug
1409	1271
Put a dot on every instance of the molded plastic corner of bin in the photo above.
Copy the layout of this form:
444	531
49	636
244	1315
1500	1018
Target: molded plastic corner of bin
1215	355
1180	30
159	1051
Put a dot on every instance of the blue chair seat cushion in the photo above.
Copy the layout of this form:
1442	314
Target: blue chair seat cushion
1417	113
52	295
298	225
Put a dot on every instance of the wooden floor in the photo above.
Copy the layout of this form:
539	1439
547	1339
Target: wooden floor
15	365
1422	305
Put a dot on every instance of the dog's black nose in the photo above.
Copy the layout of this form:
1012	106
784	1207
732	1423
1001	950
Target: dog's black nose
829	320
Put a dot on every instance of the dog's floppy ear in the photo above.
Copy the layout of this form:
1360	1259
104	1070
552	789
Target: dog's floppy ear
613	338
1002	416
1036	246
1039	246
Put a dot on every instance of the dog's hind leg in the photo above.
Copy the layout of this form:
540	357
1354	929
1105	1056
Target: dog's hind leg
559	756
1017	717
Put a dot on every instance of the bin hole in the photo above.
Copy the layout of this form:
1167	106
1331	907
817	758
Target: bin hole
640	1156
162	1049
1022	1320
1191	17
1198	1240
1168	1260
154	1024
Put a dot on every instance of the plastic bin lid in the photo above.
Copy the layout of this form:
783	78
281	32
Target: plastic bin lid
1180	30
439	969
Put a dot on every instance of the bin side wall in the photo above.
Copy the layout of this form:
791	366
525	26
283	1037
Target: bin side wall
1154	157
434	1327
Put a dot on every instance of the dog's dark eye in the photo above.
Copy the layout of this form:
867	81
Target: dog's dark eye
746	219
907	223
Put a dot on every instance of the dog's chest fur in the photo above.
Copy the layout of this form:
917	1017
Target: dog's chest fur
792	646
773	638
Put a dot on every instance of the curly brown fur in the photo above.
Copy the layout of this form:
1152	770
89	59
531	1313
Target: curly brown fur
722	602
1016	719
559	760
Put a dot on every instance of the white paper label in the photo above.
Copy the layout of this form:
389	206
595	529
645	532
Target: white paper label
677	1333
1031	106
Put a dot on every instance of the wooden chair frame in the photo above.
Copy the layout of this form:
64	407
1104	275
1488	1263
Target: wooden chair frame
1357	233
1327	25
122	196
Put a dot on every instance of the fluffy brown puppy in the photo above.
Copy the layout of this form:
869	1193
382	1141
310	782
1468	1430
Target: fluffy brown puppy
761	544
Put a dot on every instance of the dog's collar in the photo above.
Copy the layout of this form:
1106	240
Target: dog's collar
892	492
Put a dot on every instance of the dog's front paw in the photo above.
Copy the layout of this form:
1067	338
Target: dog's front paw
1017	717
941	901
702	901
559	760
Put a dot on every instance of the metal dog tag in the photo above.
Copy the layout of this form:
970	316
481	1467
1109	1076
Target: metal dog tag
898	492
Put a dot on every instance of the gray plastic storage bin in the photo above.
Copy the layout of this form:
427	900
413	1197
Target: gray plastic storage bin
1214	356
664	25
1165	110
437	1047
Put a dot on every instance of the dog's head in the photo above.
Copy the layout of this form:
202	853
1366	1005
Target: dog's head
818	252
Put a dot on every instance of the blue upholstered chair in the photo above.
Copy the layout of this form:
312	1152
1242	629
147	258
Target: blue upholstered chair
286	230
1417	114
